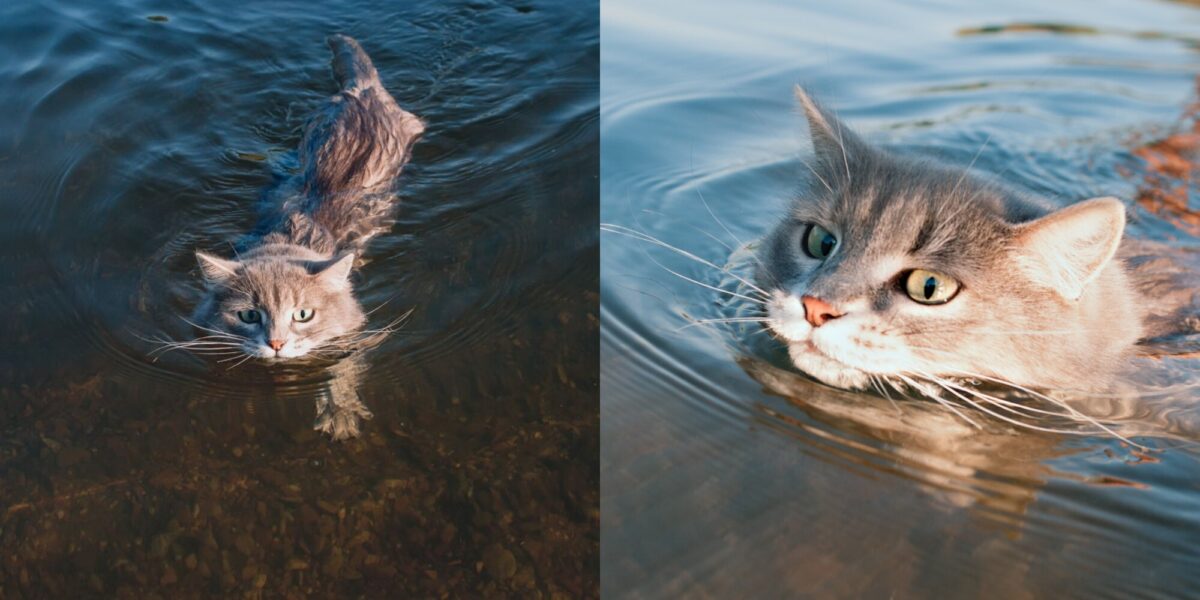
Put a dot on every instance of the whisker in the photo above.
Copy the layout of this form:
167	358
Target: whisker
248	357
713	288
972	164
941	401
881	384
209	345
719	222
699	283
1099	424
1070	413
215	331
698	322
351	342
842	143
1009	419
818	176
760	331
381	305
202	343
622	230
740	243
1007	405
698	230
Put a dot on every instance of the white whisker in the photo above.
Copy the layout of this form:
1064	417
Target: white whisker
842	143
698	322
940	401
622	230
818	176
881	384
972	164
1055	401
248	357
1005	418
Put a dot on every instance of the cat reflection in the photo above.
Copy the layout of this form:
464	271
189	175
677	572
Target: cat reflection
958	462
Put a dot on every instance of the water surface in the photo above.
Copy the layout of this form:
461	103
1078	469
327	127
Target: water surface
133	133
724	474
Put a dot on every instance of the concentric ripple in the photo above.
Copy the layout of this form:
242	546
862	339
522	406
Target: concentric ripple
135	133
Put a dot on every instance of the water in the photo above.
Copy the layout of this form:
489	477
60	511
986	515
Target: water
136	132
725	474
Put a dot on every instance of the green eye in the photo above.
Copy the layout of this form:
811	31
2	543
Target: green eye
818	242
249	316
930	287
303	315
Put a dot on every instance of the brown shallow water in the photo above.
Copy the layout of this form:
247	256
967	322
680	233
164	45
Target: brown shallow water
134	133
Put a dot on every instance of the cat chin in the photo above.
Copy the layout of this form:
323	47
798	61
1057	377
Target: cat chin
824	369
269	355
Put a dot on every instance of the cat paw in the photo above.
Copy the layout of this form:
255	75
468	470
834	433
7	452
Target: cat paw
342	423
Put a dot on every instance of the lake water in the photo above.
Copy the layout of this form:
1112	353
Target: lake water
133	133
724	474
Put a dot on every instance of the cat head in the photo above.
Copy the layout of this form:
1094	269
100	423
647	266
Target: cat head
277	305
895	267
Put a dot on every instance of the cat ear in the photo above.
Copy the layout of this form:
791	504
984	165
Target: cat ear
216	269
335	272
1065	250
835	145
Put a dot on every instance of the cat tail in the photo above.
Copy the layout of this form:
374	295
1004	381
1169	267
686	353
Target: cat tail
353	148
352	68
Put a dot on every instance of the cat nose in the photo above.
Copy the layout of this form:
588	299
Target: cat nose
275	344
818	311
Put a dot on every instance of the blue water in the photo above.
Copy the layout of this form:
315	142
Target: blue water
725	475
133	133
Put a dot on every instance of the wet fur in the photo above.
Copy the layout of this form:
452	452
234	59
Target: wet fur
302	256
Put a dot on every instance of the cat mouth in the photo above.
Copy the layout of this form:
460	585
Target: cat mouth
816	362
827	369
808	347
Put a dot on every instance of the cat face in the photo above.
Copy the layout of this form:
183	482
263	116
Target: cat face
278	306
895	268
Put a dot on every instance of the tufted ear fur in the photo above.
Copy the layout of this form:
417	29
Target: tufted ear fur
1067	249
836	147
334	272
216	270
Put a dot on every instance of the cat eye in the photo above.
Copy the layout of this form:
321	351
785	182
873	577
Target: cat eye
818	242
930	287
303	315
249	316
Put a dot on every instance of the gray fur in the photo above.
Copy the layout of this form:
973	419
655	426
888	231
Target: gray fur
1043	303
341	197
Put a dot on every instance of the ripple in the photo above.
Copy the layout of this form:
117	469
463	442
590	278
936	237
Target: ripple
727	472
130	141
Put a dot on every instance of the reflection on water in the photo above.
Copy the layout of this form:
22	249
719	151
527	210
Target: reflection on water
915	439
134	134
727	474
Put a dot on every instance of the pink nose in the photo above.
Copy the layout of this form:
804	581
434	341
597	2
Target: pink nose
275	344
817	311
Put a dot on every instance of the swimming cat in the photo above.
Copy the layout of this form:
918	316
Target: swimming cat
894	268
287	293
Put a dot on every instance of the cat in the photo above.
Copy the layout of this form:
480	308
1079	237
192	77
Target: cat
896	269
287	294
